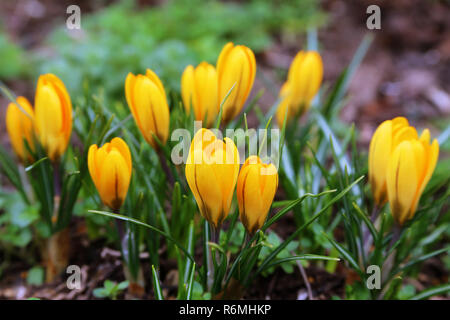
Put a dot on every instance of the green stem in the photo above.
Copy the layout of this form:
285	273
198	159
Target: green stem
165	167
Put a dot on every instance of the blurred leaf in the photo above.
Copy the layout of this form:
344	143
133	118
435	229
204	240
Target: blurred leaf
35	276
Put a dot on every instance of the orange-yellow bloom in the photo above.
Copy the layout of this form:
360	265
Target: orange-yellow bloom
110	168
52	115
236	67
211	171
256	187
147	100
199	92
409	169
19	125
386	138
303	83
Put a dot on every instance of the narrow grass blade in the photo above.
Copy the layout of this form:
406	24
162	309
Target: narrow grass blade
122	217
300	257
156	285
442	289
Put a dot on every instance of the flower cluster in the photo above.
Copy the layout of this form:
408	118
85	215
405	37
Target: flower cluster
50	121
400	161
400	165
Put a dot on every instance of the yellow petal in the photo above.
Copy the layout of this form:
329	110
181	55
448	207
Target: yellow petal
92	165
115	180
147	101
53	115
431	155
380	148
402	181
19	124
236	68
122	147
187	87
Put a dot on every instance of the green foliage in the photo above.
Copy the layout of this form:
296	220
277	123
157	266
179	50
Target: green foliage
13	62
273	240
36	276
166	38
110	289
16	220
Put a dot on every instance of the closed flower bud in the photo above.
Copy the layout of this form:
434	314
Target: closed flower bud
53	115
236	67
211	171
409	169
199	92
256	187
110	168
304	80
387	136
147	100
19	125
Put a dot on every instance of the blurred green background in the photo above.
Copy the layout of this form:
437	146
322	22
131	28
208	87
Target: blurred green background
126	37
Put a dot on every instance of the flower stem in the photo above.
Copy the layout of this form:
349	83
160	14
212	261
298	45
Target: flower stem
367	237
165	167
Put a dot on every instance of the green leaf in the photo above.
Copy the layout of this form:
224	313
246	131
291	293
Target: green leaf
156	285
34	164
100	293
300	257
219	117
190	247
123	285
291	205
367	221
35	276
394	288
344	79
434	291
122	217
9	167
421	258
190	283
109	286
345	254
311	220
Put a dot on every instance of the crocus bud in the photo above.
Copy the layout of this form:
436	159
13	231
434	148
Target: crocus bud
110	168
303	83
19	124
146	98
409	169
236	67
256	187
52	115
211	171
199	92
387	136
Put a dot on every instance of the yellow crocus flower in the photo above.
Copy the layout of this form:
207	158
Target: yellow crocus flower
304	80
110	169
409	170
386	138
236	67
211	171
20	128
147	101
52	115
256	187
200	93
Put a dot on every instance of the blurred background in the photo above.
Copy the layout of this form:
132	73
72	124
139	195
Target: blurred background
406	71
